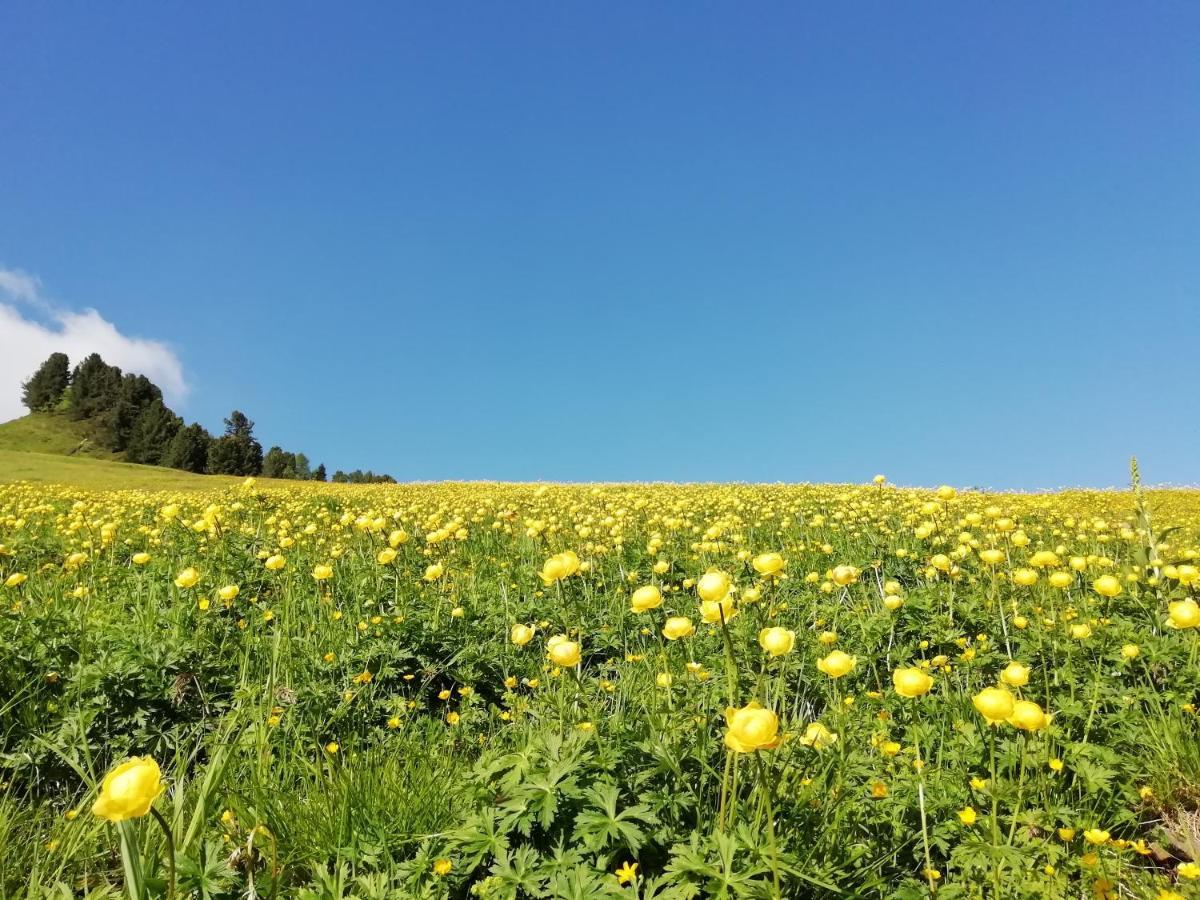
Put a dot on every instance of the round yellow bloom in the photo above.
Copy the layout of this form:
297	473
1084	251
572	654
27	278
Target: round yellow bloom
433	572
677	627
187	578
397	537
646	598
140	559
768	564
818	737
564	653
1107	586
1131	651
968	815
1028	716
845	575
713	587
777	641
713	611
229	592
1096	836
1081	631
911	682
992	556
1015	674
129	790
1061	580
994	704
945	492
1183	614
16	579
560	566
521	634
1025	577
751	728
442	867
322	572
275	562
837	664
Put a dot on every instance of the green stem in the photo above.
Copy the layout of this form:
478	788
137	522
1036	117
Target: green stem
166	830
764	785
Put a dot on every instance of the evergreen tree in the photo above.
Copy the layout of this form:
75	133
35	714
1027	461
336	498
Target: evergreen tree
278	464
152	434
46	386
303	471
236	452
95	387
136	393
319	472
188	449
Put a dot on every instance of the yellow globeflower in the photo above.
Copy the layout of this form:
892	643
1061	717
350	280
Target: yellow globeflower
187	578
1061	580
442	867
275	562
16	579
140	559
713	587
1081	631
1025	577
521	634
564	652
433	572
777	641
1183	614
818	737
1131	651
645	599
768	564
992	556
1015	674
911	682
386	556
322	572
837	664
677	627
129	790
1107	586
994	704
845	575
751	728
713	611
560	566
1028	716
229	592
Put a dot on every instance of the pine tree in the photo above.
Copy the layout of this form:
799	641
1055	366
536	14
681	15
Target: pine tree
188	449
95	387
319	472
46	386
137	392
152	434
236	452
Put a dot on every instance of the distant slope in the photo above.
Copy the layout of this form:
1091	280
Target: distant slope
101	474
51	432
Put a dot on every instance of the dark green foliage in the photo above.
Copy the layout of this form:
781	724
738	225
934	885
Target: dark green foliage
360	477
278	463
303	471
136	394
188	449
236	452
152	434
46	386
95	388
319	472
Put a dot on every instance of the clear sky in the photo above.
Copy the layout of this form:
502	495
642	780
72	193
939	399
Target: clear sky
953	242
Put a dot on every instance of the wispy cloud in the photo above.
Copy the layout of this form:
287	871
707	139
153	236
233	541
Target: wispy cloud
26	341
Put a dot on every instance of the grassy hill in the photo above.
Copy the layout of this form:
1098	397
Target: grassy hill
52	448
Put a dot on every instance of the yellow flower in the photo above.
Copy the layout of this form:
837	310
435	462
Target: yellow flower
714	611
560	566
967	815
677	627
322	572
1066	834
1015	675
713	587
627	872
16	579
837	664
751	728
1188	870
187	578
1183	614
992	556
1081	631
229	592
845	575
563	652
1131	651
443	867
994	704
275	562
818	737
1107	586
911	682
129	790
1056	765
521	634
386	556
645	599
140	559
434	572
332	747
1028	716
397	537
1096	836
768	564
879	790
777	641
1025	577
453	718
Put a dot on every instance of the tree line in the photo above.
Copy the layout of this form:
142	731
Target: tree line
125	413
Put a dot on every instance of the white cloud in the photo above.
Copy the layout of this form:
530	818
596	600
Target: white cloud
26	342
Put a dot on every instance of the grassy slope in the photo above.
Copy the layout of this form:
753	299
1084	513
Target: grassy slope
51	448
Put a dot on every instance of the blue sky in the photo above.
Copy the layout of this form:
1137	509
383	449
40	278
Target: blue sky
682	241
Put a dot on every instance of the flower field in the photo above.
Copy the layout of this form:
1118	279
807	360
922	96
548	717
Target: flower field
576	691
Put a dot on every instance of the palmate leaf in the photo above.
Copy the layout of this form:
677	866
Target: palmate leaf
517	875
602	825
